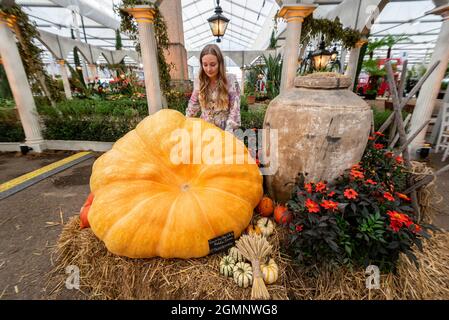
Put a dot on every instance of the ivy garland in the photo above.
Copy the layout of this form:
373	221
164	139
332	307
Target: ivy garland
26	32
333	31
129	25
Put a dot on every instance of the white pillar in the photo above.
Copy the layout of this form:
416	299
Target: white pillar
145	17
19	84
343	59
92	72
354	55
242	91
429	91
65	79
294	15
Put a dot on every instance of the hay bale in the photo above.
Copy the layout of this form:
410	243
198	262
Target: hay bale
107	276
430	281
104	275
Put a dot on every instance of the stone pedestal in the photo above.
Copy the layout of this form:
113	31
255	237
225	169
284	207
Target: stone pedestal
294	15
20	87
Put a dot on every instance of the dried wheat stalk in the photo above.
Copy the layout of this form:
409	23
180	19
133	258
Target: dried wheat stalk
255	248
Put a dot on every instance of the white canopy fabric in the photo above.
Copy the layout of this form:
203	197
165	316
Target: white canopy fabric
250	26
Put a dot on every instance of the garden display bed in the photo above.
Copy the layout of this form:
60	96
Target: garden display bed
107	276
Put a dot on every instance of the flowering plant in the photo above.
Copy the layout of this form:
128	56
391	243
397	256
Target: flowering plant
360	219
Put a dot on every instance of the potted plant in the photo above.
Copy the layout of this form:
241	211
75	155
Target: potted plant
375	74
250	86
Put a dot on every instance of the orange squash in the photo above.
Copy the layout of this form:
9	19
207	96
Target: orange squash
84	222
282	215
265	207
252	229
146	204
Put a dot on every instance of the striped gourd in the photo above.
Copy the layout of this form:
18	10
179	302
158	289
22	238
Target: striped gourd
270	272
243	274
227	264
236	254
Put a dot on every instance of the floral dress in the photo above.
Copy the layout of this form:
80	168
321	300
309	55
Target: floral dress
228	119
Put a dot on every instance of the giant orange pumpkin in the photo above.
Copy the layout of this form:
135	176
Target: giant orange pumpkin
146	204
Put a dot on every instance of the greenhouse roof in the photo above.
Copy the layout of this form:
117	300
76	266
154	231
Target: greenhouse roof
250	26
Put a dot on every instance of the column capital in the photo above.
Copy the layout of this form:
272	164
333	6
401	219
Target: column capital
9	19
360	42
442	11
296	13
143	13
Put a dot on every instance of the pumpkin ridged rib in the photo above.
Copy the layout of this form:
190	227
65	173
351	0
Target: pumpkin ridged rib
229	194
166	231
161	161
206	218
131	212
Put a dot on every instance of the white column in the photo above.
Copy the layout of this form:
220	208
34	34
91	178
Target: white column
145	17
343	59
242	88
19	85
429	91
354	55
65	79
92	72
294	15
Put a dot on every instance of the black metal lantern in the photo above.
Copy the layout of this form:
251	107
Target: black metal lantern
218	22
334	53
321	56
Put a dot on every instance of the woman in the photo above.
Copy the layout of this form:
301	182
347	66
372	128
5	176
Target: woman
215	93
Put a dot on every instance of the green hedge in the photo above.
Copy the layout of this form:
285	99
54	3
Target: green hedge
253	118
11	131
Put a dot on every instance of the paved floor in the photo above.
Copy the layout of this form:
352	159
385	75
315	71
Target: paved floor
31	220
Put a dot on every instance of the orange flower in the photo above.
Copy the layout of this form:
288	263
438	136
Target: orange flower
356	167
378	146
371	138
320	187
402	196
397	220
369	181
388	196
350	194
312	206
330	205
416	228
308	187
331	194
399	160
357	174
380	134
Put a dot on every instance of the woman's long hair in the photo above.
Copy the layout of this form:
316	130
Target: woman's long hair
222	83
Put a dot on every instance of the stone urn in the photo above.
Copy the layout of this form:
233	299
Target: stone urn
322	130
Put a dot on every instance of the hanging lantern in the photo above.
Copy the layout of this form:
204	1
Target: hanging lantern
321	56
218	22
334	53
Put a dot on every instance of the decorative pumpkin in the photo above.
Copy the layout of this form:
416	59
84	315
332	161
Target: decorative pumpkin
266	226
270	272
84	222
236	254
265	207
243	274
167	187
227	264
252	229
282	215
